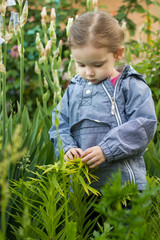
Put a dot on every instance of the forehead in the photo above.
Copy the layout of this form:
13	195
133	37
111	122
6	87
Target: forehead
90	54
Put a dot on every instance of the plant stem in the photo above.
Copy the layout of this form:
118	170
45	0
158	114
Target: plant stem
21	65
0	93
4	115
40	80
3	216
49	80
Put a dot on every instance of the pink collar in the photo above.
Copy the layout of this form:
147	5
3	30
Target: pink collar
113	80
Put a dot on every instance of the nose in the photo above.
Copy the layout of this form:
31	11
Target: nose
90	72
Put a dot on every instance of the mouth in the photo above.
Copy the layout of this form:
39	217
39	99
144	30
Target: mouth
92	80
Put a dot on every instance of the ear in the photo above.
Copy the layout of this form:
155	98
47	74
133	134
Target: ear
119	53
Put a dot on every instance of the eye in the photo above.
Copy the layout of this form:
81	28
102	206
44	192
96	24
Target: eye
98	65
80	65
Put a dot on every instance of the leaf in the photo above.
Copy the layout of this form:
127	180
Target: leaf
71	229
83	184
139	8
155	160
41	233
148	2
9	129
86	187
25	121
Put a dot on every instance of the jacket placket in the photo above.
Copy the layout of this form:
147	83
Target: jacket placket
115	112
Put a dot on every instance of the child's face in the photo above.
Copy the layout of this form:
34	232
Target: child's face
94	64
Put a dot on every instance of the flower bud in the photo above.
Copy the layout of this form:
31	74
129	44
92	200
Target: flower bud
69	24
95	4
24	16
44	26
56	80
44	14
53	14
52	33
39	45
3	6
56	53
20	2
60	45
2	68
16	25
45	38
11	23
48	48
71	68
42	60
46	96
36	68
8	36
45	83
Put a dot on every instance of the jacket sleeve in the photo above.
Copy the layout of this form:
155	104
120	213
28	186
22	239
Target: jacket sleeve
64	135
132	137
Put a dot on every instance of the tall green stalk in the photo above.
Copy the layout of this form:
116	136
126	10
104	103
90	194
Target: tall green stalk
21	64
4	116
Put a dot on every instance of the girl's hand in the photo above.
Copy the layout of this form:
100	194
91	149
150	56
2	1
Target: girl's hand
73	153
93	156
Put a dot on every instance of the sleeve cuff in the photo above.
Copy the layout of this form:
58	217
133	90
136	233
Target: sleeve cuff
107	151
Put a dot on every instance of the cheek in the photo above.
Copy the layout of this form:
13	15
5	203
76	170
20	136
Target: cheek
103	71
80	70
77	69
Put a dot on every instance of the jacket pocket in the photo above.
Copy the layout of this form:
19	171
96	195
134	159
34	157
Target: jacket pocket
89	133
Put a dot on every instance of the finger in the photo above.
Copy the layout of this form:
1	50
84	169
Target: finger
79	151
70	155
91	161
86	152
88	157
75	152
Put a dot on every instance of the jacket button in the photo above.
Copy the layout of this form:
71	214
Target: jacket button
89	83
88	91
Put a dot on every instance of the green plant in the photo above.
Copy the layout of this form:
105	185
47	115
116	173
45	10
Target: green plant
9	157
31	84
131	6
52	205
13	28
130	214
35	138
150	68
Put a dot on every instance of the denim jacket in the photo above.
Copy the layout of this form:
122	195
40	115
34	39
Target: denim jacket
121	120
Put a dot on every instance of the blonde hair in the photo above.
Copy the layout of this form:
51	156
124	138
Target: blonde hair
98	29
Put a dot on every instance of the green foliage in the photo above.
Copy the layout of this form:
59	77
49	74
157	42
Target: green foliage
129	212
9	157
34	138
129	7
64	9
52	205
150	68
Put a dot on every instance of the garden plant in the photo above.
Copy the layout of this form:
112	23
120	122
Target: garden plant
42	197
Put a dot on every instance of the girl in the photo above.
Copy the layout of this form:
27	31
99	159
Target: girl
107	115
